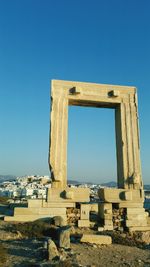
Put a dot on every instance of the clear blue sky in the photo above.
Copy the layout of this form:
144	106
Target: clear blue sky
100	41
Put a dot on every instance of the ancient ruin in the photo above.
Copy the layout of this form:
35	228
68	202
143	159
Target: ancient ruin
118	207
129	197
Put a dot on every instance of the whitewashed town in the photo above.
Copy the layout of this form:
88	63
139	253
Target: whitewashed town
35	186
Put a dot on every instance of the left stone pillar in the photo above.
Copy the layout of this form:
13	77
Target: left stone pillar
58	138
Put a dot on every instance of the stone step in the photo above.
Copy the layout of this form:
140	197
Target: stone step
59	205
135	211
83	223
139	228
126	204
40	211
28	218
142	222
96	239
136	216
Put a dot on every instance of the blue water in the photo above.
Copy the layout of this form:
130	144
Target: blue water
147	204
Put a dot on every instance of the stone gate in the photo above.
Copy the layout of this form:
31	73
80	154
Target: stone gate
121	98
117	207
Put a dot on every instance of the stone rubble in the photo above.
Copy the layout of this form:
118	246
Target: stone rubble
96	239
64	237
52	250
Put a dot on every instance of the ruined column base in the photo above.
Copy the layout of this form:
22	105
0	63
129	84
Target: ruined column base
123	208
56	204
68	194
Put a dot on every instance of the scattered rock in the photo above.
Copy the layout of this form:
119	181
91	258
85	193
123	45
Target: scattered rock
143	237
58	221
123	235
63	255
96	239
64	237
100	229
52	250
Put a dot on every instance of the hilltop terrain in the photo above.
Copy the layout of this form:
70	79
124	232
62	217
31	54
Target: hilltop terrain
23	245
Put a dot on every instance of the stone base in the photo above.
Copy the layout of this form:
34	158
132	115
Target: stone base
136	223
96	239
36	203
128	202
136	217
136	211
83	223
69	194
28	218
115	195
108	228
55	205
94	207
40	211
139	228
105	209
84	211
36	210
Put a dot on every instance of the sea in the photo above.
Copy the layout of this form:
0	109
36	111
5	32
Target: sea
147	204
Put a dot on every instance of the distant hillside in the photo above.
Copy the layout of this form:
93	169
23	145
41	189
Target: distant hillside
114	184
4	178
73	182
109	184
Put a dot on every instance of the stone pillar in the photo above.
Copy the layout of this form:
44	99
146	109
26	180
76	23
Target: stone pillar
58	141
127	140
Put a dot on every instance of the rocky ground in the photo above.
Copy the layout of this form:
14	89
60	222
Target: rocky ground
19	250
31	252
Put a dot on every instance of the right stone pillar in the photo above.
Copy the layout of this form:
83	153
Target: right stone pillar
127	142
